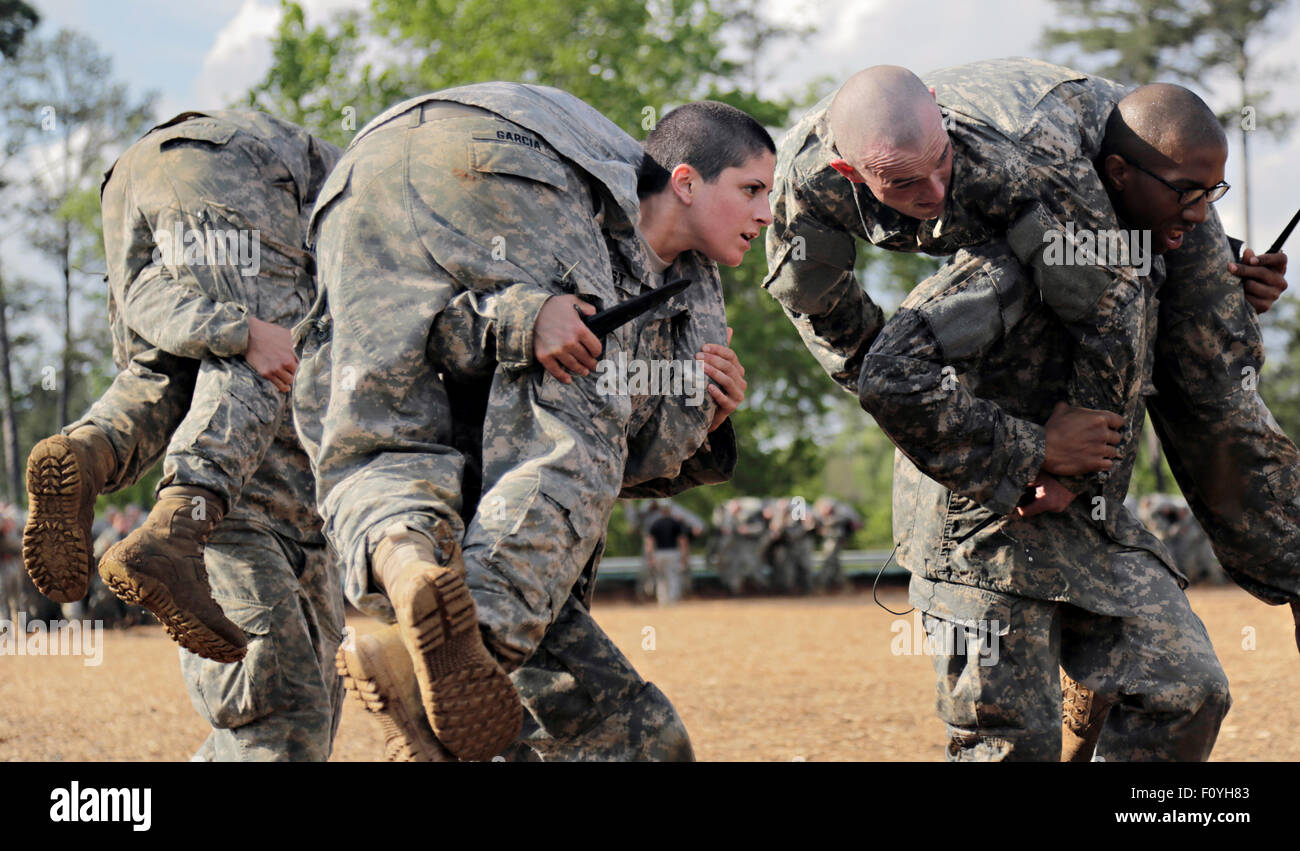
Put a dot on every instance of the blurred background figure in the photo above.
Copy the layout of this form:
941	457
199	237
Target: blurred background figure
667	541
835	522
17	593
740	535
789	544
1171	520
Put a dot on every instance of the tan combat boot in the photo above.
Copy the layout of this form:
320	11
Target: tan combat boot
1083	716
65	475
469	700
160	566
377	669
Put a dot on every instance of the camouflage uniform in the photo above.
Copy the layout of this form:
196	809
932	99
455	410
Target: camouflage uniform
739	529
510	194
1088	588
836	523
178	319
1238	469
179	331
1024	133
789	553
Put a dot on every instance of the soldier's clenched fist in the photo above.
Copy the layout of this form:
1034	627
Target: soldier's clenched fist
561	341
1080	440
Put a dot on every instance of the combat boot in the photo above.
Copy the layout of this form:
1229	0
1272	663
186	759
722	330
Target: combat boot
160	566
65	474
1083	716
377	670
469	700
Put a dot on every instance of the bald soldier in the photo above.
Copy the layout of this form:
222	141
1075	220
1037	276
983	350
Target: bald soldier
537	197
968	379
1005	148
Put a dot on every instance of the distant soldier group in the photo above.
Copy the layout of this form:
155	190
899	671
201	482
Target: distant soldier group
755	544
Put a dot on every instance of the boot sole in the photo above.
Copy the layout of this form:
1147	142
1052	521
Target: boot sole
56	550
186	630
470	702
367	676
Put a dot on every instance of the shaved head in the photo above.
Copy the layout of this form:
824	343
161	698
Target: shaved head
1159	123
888	133
881	109
1163	154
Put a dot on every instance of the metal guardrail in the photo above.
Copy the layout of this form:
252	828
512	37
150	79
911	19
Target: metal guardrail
855	562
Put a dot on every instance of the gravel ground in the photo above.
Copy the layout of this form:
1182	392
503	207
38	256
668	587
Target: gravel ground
757	679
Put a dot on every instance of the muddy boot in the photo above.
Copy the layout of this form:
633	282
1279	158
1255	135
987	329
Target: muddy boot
377	670
65	474
160	566
1083	716
470	702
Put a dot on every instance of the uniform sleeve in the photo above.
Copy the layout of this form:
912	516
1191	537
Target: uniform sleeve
969	445
179	319
810	274
712	464
478	330
1239	471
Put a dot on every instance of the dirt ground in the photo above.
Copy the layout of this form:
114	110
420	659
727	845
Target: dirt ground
761	679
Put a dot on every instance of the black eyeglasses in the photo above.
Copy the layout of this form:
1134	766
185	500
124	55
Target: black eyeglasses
1187	197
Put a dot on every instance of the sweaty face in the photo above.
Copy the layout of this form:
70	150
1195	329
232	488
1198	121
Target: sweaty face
1147	204
731	210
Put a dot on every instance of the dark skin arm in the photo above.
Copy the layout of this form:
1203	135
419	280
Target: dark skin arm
1079	441
1263	279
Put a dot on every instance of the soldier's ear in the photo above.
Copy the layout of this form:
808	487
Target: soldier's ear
1115	172
683	180
847	170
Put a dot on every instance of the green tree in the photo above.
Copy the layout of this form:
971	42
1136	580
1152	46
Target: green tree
79	115
16	20
1133	41
1143	41
1231	31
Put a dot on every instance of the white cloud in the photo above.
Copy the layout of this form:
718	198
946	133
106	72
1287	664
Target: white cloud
239	55
241	51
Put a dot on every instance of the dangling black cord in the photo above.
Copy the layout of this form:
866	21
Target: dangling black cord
877	582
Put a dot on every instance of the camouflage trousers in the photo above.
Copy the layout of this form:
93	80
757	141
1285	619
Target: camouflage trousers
283	701
997	659
229	412
586	703
790	561
219	441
